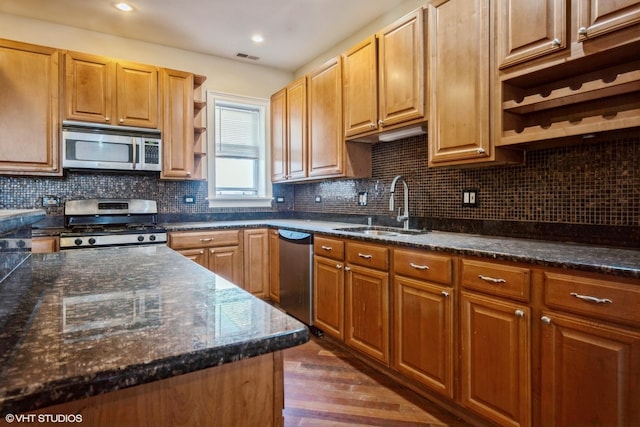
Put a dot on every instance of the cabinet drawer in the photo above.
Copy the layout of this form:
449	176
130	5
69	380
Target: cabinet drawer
204	239
597	298
422	265
327	247
368	255
497	279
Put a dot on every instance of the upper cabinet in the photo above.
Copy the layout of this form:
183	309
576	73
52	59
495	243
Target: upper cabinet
568	68
29	109
460	70
289	132
384	80
306	130
104	90
529	29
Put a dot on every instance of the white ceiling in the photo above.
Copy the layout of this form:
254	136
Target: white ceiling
295	31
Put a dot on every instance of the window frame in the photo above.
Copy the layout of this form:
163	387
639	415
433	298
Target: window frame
265	194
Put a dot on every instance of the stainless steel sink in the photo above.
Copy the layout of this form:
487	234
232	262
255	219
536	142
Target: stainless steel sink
382	231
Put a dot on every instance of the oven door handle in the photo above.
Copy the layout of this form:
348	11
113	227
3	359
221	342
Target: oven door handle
134	146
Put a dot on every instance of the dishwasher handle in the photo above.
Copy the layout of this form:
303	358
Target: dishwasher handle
295	236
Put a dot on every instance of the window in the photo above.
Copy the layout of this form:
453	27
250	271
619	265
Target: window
238	167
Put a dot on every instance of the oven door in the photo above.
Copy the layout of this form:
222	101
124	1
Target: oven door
99	151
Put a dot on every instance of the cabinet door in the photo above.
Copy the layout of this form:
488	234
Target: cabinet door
328	296
496	372
177	124
29	112
256	262
43	245
367	311
459	104
198	255
279	136
89	88
274	266
226	262
360	88
423	335
297	129
528	29
326	140
401	52
590	373
597	17
137	95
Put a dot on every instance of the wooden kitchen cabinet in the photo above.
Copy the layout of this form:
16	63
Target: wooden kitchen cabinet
328	286
460	54
495	333
375	99
256	261
45	244
289	143
599	17
274	266
329	154
29	128
590	351
423	339
367	300
219	251
104	90
530	29
177	124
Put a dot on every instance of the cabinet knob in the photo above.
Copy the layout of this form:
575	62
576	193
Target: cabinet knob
582	31
347	269
380	122
188	173
546	320
121	120
519	313
444	294
107	119
338	266
372	125
556	42
481	150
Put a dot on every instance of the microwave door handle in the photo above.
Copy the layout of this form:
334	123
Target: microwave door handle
133	146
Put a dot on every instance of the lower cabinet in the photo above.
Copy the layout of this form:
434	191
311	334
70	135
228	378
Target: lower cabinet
256	261
367	300
495	369
328	286
274	266
219	251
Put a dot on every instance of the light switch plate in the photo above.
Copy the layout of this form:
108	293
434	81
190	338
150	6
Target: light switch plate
470	198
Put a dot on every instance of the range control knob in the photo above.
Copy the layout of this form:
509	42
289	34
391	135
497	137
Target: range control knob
78	242
152	237
21	243
140	238
92	241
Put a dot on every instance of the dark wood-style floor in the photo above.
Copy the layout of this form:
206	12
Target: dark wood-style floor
326	386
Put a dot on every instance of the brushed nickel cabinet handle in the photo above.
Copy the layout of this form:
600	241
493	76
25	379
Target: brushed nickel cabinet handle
519	313
546	320
418	266
491	279
589	298
365	256
444	293
327	248
208	239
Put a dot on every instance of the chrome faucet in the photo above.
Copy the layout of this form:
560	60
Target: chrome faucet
405	216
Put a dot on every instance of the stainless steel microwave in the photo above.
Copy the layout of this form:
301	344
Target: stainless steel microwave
87	146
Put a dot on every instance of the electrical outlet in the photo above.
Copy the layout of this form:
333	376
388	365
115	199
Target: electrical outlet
318	199
50	201
470	198
189	200
279	199
363	198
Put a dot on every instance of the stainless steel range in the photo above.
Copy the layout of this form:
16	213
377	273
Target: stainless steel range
111	222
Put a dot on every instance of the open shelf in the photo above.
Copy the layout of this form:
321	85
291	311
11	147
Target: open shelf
594	98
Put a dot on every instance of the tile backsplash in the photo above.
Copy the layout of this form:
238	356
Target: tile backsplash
592	184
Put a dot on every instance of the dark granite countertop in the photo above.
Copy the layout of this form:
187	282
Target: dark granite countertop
80	323
12	219
599	259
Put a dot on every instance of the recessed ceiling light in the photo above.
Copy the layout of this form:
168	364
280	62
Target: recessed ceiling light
257	38
124	7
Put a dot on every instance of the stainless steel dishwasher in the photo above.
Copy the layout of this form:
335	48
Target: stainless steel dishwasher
296	274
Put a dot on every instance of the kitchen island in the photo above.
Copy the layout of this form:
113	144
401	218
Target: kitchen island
139	336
